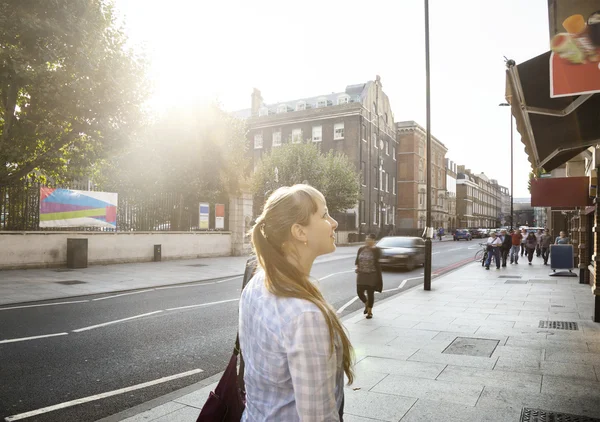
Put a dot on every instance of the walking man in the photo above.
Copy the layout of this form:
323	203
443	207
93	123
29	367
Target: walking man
538	246
523	237
493	246
545	242
517	237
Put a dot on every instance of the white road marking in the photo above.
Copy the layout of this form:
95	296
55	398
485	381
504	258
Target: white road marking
455	249
91	327
123	294
402	284
435	253
202	304
43	304
350	302
14	340
200	283
100	396
331	275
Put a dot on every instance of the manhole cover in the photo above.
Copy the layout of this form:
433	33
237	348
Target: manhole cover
197	265
63	270
539	415
515	282
472	346
559	325
70	282
510	276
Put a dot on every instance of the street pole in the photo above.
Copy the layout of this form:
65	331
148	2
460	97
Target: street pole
511	170
427	278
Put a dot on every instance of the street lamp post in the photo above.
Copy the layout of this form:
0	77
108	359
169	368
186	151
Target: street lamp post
428	255
511	164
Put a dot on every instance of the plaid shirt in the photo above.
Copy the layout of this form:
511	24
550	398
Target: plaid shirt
290	375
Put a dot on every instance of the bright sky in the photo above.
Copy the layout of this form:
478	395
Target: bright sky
204	50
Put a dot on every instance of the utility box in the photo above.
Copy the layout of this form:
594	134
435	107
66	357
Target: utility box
77	253
157	253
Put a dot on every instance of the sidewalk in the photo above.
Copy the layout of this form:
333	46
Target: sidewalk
469	350
17	286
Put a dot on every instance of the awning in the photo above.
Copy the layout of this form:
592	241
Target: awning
553	130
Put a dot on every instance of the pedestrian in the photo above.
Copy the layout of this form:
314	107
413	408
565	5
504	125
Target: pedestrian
530	244
538	246
517	238
295	348
545	242
524	237
493	247
563	239
506	246
368	274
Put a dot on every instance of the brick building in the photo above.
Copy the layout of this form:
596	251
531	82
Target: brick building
451	173
478	201
357	122
412	182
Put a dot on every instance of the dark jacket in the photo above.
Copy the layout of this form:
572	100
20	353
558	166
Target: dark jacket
377	256
507	243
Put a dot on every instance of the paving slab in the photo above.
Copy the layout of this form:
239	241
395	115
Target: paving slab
427	410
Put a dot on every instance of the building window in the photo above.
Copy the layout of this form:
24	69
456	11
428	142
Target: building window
374	181
343	99
374	139
317	133
381	144
387	181
300	106
263	111
258	141
394	185
296	136
394	153
338	131
421	149
322	102
375	213
361	211
364	133
277	139
381	178
420	170
282	108
393	215
420	199
374	109
387	147
363	173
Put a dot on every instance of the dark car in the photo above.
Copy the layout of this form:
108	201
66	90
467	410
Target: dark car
476	233
462	234
402	252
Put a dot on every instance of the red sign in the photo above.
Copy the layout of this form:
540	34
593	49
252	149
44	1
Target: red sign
575	58
560	192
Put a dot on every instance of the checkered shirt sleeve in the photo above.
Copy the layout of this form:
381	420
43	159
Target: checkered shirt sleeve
312	367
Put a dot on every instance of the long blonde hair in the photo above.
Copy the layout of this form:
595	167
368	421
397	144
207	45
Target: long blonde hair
284	208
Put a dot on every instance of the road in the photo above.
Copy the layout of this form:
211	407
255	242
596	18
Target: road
93	347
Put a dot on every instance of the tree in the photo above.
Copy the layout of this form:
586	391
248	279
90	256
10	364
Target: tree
196	151
71	93
332	173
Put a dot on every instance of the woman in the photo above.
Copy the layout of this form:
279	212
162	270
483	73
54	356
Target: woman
493	250
368	274
295	348
530	245
562	239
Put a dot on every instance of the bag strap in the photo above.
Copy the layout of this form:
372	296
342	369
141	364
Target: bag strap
251	267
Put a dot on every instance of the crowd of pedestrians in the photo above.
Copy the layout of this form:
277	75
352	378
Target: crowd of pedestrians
520	243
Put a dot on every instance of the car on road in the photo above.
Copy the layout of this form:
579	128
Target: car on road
462	234
402	252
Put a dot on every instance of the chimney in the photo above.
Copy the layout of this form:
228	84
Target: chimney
257	102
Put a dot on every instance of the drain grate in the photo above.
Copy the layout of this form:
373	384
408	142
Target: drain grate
510	276
515	282
70	282
559	325
197	265
539	415
63	270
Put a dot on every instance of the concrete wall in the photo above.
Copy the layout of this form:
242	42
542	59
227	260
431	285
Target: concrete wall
49	249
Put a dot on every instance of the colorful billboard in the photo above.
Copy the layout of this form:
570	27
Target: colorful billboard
575	58
219	216
75	208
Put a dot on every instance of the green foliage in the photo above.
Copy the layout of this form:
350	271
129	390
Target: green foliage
332	173
196	151
534	175
71	93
